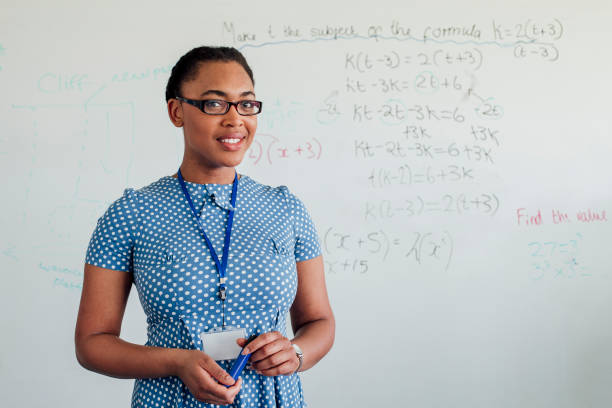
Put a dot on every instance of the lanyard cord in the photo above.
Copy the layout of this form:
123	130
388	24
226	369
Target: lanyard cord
221	265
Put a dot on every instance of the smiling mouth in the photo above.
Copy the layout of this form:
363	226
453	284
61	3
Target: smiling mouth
230	140
232	143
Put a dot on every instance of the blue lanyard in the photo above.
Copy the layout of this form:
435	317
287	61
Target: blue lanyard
221	266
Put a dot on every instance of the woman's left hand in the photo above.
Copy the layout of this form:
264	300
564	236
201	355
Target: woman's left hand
272	354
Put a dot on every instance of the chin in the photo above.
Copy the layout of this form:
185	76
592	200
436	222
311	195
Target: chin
234	161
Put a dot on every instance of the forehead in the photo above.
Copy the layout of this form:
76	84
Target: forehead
228	77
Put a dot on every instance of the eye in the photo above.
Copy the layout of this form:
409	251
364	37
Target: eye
249	107
213	104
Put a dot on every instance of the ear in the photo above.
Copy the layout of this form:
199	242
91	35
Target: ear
175	112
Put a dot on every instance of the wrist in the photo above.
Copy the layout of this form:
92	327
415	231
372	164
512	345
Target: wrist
176	361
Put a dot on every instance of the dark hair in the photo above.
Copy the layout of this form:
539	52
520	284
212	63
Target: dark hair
186	69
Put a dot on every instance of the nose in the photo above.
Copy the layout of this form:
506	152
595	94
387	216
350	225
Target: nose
232	117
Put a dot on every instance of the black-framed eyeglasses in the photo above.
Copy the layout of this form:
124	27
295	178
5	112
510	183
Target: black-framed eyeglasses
220	107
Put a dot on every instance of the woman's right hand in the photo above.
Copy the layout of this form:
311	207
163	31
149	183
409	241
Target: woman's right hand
206	379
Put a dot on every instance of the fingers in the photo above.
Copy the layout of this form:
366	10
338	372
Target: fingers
216	371
222	397
205	380
286	368
272	354
264	343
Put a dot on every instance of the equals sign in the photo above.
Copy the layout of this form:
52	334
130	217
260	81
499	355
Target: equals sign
407	60
443	113
419	178
435	205
439	150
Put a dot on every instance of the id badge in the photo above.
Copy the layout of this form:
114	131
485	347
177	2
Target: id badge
221	344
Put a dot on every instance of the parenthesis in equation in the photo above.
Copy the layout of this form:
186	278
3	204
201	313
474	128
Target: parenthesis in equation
420	211
269	152
325	239
387	246
360	62
518	50
450	252
556	54
320	147
253	154
435	57
527	24
422	242
556	20
496	205
479	59
460	199
397	60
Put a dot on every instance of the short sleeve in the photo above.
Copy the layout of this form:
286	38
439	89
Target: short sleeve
306	238
112	243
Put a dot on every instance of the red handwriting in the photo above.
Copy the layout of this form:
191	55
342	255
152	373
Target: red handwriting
525	217
559	217
592	216
273	149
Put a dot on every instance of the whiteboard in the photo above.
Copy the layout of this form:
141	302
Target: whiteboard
455	158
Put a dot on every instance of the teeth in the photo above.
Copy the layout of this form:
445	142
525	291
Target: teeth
230	140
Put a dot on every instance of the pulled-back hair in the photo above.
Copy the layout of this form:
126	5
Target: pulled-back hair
186	69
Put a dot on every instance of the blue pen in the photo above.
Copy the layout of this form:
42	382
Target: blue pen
241	361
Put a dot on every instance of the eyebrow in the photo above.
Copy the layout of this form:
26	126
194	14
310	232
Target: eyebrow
224	95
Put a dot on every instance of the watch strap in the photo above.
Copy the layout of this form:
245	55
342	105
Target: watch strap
300	356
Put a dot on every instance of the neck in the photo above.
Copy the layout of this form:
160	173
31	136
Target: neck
194	174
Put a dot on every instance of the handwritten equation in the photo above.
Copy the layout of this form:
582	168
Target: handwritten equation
457	204
524	38
406	175
398	149
271	149
355	253
558	259
396	112
363	61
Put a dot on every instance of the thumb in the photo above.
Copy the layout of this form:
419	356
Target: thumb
241	342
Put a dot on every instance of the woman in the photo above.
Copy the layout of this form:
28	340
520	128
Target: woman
214	255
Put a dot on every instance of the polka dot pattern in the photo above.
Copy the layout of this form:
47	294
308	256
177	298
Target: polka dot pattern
152	233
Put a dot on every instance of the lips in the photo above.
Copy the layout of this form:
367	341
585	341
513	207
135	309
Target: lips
231	142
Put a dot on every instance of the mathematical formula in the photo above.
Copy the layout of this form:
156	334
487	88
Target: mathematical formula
450	204
355	253
557	259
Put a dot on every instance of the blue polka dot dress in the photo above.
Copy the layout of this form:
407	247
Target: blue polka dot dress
153	234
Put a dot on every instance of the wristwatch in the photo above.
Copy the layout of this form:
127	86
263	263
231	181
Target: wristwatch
300	356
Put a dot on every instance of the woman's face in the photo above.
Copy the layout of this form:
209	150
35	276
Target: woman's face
215	141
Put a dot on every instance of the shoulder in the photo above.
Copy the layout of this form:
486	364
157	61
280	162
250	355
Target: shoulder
133	200
280	194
